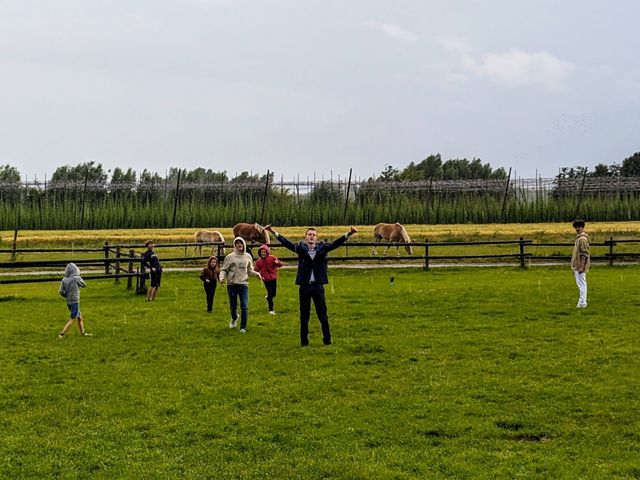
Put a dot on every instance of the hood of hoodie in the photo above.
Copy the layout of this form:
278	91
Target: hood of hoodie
72	270
265	248
235	250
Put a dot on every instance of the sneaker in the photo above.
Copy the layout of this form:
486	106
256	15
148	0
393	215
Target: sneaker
581	305
85	334
242	330
61	335
232	324
271	312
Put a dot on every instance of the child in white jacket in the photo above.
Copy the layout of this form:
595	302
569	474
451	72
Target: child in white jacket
234	273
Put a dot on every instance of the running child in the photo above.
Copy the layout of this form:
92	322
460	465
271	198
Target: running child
267	266
70	289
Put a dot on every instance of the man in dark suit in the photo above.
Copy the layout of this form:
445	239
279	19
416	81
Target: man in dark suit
312	276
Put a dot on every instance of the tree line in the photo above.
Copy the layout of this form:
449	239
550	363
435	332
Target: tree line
431	168
630	167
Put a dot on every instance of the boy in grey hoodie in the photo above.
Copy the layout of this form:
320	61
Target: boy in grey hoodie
70	289
234	273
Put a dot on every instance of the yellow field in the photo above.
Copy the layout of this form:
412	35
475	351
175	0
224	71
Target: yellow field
598	231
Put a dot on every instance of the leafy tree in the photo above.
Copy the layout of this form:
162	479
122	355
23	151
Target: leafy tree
456	169
120	176
388	174
9	174
432	167
150	178
411	173
631	166
94	173
200	175
498	174
263	178
244	177
568	173
602	170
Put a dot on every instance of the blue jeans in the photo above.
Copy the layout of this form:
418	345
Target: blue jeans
234	292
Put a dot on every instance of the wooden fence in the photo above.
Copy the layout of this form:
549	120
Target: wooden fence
124	261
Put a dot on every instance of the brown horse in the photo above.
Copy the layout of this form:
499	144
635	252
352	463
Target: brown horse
391	232
207	236
251	232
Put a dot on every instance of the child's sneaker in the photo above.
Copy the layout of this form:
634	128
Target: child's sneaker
61	335
242	330
271	312
232	324
86	334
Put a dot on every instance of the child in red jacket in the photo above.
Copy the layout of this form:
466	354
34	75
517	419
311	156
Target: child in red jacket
267	265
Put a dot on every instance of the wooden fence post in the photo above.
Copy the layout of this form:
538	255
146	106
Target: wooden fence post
522	265
130	269
219	253
107	265
14	245
426	254
142	288
611	244
117	267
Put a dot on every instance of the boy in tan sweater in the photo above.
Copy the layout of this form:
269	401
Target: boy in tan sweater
580	261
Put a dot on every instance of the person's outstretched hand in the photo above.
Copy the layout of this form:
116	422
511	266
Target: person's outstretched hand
353	230
268	228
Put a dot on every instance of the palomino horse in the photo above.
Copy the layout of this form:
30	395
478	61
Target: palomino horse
391	232
251	232
207	236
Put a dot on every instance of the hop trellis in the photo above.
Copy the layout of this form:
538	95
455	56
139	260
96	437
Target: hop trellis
155	204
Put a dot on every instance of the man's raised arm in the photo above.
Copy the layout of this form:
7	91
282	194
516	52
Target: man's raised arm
283	240
341	239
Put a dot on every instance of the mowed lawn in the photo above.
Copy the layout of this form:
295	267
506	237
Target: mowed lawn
452	373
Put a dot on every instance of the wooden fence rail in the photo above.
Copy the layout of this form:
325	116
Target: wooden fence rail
122	259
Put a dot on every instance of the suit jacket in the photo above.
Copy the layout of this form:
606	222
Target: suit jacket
306	264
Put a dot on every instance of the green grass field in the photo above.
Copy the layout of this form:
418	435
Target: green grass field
466	373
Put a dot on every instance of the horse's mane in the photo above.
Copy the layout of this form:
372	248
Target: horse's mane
403	232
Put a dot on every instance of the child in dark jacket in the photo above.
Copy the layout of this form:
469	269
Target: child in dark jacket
209	276
267	265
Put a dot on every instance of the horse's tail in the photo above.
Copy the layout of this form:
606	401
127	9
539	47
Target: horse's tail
220	238
405	237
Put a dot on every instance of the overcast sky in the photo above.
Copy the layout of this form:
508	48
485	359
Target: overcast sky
304	86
